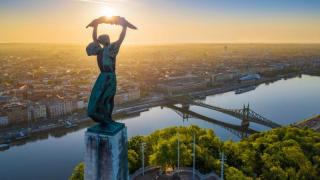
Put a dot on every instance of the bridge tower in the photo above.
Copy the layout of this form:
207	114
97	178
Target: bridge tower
185	108
245	120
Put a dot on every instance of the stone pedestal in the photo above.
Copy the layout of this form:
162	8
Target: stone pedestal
106	156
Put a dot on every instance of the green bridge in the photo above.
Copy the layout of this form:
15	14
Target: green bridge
245	114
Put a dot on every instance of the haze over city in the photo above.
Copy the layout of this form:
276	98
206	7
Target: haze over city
164	21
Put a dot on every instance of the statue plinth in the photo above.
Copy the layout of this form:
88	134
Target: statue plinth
106	156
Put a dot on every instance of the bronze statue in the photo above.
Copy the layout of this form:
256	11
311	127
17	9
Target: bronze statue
101	100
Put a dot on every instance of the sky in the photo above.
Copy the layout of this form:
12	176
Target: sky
163	21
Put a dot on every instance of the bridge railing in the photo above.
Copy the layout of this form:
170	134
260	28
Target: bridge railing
139	172
197	173
258	116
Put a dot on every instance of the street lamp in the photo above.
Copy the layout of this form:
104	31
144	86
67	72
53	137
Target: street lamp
223	159
178	153
194	156
142	160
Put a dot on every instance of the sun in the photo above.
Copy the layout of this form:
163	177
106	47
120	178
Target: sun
108	11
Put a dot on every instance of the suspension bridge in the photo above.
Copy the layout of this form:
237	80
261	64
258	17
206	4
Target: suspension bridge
244	114
241	131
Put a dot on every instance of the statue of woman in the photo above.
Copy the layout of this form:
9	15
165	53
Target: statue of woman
101	101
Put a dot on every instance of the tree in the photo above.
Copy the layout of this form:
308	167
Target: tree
164	145
235	174
133	160
282	153
165	153
78	172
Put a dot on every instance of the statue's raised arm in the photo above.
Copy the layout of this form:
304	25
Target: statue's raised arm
123	33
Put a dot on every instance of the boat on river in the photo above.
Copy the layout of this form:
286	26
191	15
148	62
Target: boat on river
246	89
4	146
69	124
22	135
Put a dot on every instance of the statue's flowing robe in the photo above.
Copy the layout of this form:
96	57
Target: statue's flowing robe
101	100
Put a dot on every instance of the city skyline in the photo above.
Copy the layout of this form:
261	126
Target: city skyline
162	22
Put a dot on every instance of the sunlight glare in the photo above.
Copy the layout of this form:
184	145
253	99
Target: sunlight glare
108	11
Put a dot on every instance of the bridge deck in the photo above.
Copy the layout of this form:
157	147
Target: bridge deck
212	120
253	116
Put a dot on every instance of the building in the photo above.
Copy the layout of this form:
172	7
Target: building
55	109
68	107
37	111
17	112
4	120
223	77
4	100
81	105
127	95
61	107
182	84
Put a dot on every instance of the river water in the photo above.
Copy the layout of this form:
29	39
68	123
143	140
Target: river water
53	155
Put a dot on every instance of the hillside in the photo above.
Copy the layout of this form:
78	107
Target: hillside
282	153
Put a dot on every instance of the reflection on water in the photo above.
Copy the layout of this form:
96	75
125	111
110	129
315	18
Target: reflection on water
284	101
241	131
56	133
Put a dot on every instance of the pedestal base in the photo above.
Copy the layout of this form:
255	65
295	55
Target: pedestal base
106	156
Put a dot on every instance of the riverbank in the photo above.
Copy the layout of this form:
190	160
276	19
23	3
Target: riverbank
312	123
128	110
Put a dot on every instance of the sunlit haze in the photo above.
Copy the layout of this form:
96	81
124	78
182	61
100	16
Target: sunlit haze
163	21
180	89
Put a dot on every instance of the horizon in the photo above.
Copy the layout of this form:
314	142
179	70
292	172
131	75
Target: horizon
163	22
167	44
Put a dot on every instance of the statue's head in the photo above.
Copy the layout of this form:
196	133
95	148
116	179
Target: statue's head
104	40
93	49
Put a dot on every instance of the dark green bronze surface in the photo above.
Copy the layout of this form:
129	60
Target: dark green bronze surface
101	100
110	129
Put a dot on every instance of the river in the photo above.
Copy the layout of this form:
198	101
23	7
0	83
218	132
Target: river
54	155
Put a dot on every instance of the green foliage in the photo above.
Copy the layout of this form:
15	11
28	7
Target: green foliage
134	153
235	174
78	172
163	148
283	153
133	159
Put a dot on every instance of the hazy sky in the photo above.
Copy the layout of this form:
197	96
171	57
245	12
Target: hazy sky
163	21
